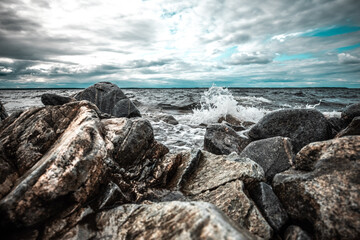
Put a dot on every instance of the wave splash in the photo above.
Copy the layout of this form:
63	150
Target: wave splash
217	102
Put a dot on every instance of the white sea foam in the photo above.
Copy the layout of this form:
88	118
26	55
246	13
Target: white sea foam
217	102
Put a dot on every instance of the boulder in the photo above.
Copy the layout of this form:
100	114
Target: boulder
302	126
167	220
54	99
222	140
274	155
269	205
352	129
296	233
323	190
221	180
3	113
109	99
351	112
336	124
169	119
232	122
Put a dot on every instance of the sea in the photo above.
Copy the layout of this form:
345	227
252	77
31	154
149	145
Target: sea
196	108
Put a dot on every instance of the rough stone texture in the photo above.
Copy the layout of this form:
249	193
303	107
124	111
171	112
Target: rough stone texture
220	180
303	126
325	193
222	140
3	113
54	99
336	124
269	205
352	129
296	233
109	99
169	119
274	155
351	112
232	122
168	220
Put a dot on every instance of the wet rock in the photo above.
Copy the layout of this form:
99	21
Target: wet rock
169	119
109	99
222	140
302	126
296	233
54	99
3	113
269	205
232	122
324	189
352	129
336	124
351	112
274	155
168	220
203	176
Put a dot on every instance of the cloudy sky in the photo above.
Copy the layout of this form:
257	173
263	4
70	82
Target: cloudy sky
163	43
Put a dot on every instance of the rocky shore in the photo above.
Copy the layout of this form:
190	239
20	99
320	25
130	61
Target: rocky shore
88	167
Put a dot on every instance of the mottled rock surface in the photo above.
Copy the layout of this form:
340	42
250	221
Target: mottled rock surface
222	140
169	119
3	113
302	126
54	99
269	205
233	122
324	191
296	233
351	112
336	124
109	99
168	220
274	155
352	129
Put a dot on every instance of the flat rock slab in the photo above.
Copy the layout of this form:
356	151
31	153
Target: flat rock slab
167	220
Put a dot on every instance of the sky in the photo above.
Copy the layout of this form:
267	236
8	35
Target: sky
163	43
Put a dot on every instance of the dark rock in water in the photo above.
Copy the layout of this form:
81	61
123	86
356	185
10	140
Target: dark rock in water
274	155
336	125
54	99
181	106
168	220
232	122
352	129
269	205
221	139
3	113
221	180
296	233
169	119
109	99
303	126
325	190
351	112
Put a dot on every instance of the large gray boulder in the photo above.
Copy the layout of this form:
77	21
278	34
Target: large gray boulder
323	190
109	99
54	99
351	112
167	220
274	155
3	113
221	139
302	126
352	129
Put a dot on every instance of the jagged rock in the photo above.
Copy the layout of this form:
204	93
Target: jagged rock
169	119
269	205
351	112
303	126
274	155
232	122
168	220
203	176
296	233
222	140
3	113
352	129
54	99
109	99
324	191
336	124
